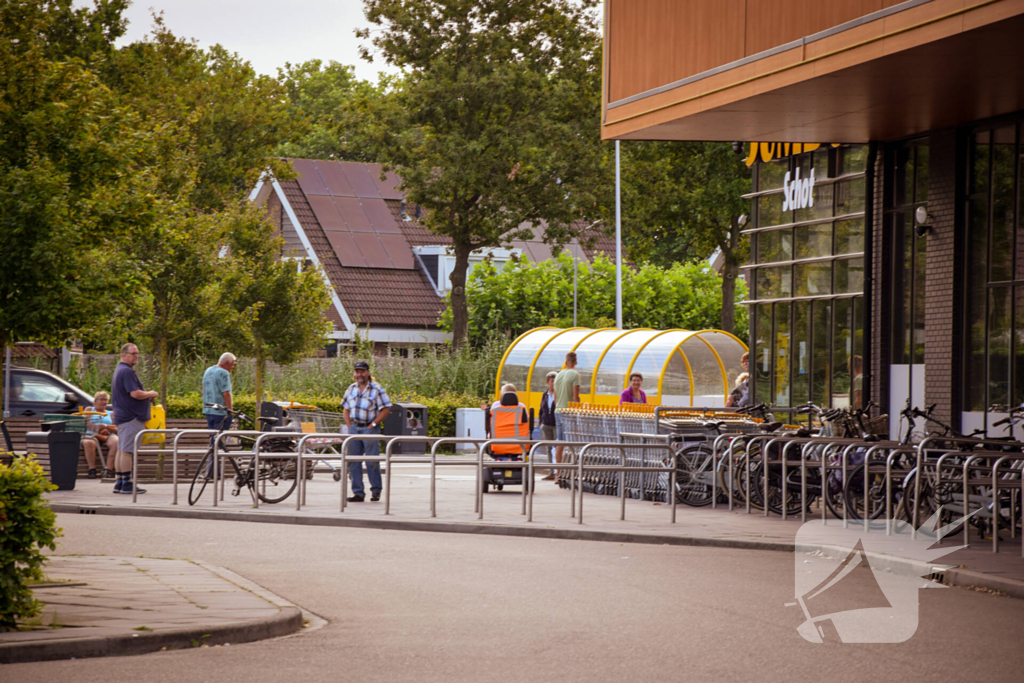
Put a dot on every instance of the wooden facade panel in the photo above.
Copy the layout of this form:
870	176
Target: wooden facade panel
655	42
770	23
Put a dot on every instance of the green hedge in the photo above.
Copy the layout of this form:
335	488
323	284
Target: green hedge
440	409
27	525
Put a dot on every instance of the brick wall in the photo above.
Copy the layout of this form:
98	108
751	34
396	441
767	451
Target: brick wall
943	278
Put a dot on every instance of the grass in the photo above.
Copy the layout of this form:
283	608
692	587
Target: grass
142	628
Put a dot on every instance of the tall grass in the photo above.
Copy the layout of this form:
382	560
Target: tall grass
434	371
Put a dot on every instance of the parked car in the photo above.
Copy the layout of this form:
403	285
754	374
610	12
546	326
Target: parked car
35	393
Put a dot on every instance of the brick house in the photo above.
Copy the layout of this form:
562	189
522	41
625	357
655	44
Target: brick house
886	140
387	273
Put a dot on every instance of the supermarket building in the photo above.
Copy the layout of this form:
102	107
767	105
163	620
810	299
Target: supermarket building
885	138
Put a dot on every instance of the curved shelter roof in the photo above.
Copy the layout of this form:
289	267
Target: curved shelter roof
680	367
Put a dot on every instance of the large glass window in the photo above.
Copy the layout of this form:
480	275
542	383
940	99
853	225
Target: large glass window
994	300
808	280
906	191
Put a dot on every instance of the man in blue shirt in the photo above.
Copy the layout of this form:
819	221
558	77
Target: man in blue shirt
365	405
131	413
217	389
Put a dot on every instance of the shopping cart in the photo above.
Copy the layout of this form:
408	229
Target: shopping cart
314	421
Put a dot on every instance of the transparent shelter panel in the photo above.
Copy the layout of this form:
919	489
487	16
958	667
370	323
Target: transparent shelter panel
709	384
517	363
611	375
553	356
675	384
587	353
729	350
652	359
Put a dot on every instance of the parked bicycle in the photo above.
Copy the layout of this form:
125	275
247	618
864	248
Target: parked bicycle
276	477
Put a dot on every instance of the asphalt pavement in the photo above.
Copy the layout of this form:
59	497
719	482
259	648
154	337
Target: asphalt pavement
414	606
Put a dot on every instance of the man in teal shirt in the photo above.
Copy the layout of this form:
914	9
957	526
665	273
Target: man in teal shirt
567	390
217	389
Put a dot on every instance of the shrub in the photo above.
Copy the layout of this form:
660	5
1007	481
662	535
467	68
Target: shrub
440	409
27	525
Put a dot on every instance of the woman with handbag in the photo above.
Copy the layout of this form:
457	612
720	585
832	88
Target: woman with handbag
100	431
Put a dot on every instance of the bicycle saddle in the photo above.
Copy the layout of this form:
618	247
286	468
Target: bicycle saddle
804	433
769	426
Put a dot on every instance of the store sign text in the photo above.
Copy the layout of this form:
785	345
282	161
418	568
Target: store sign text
797	193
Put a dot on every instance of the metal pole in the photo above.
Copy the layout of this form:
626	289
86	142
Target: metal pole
7	382
575	278
618	240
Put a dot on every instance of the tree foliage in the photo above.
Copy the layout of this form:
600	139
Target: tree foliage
276	309
496	124
681	201
330	103
522	295
230	118
73	185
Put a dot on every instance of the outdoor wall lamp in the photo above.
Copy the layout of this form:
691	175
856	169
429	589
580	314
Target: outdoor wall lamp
921	219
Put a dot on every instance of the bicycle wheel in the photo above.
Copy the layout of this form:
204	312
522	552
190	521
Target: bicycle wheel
929	504
853	494
276	479
199	478
695	475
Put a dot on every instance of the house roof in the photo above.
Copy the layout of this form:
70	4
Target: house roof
354	224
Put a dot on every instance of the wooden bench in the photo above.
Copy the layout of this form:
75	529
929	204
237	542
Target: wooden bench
151	469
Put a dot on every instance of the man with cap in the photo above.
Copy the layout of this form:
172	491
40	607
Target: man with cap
365	406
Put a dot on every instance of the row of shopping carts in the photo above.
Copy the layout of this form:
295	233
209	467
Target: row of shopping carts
639	424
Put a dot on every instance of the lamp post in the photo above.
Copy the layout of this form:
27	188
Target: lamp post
618	239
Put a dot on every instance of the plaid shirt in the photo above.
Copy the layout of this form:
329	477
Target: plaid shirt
363	407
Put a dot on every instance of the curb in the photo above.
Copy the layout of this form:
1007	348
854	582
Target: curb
954	576
287	621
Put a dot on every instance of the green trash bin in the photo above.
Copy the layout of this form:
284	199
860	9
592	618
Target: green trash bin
57	451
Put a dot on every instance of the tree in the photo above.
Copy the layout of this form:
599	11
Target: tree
276	310
329	100
72	185
509	300
495	126
231	118
680	201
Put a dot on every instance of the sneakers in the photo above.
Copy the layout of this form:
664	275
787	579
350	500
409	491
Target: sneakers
126	487
92	473
118	484
356	499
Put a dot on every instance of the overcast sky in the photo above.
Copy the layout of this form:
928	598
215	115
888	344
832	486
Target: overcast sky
265	33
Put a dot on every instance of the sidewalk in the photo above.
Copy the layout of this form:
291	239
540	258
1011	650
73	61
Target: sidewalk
101	606
645	522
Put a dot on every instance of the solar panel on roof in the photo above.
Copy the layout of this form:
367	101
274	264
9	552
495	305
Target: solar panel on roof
335	179
379	215
398	249
372	250
326	213
345	249
360	179
388	187
309	179
353	215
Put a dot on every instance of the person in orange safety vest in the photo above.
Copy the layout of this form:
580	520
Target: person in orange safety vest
509	421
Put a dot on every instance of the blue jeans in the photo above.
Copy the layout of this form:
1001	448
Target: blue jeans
213	422
355	469
560	428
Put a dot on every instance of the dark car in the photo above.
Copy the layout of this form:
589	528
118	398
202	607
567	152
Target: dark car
35	393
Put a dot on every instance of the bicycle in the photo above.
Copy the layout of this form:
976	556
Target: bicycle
273	471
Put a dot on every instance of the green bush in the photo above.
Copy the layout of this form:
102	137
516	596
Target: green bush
505	301
440	409
27	525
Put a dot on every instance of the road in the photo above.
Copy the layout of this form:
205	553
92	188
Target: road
414	606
